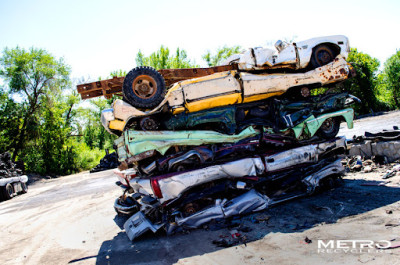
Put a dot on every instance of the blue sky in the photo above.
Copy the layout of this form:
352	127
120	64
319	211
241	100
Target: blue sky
97	37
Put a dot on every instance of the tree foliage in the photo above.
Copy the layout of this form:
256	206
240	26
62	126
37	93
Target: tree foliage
391	78
31	74
214	59
364	83
38	113
11	114
162	59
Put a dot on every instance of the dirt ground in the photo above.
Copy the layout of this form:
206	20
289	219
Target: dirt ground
71	220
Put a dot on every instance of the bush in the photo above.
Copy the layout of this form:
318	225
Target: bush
87	158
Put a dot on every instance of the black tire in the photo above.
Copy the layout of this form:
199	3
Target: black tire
8	191
24	187
144	87
329	128
322	55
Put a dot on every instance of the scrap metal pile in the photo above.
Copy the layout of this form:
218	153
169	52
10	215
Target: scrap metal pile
12	181
109	161
227	140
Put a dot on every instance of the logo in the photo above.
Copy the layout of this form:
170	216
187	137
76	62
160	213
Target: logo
353	246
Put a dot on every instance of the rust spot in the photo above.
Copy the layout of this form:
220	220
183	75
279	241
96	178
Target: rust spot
297	82
338	76
336	59
331	77
342	71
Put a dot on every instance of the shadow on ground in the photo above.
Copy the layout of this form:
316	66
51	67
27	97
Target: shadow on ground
352	198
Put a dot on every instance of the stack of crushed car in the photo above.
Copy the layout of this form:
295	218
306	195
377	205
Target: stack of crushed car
12	182
227	140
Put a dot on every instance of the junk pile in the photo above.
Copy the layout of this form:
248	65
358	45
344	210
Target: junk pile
227	140
7	168
383	145
11	180
375	151
109	161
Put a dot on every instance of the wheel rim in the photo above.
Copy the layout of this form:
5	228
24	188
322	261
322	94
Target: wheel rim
148	124
328	125
324	56
9	190
305	92
180	168
144	86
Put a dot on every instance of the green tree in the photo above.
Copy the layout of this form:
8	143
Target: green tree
31	74
11	113
220	55
363	85
51	151
162	59
391	78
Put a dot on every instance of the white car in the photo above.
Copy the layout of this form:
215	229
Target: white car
310	54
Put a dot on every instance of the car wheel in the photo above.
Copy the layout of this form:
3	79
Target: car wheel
329	128
24	187
144	87
8	191
322	55
149	124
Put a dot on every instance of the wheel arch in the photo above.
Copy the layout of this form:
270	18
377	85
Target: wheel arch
335	48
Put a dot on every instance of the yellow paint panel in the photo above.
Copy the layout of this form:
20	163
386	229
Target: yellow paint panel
261	97
207	77
214	102
117	125
178	110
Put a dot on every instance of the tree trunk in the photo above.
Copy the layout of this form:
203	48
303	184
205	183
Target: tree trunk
19	139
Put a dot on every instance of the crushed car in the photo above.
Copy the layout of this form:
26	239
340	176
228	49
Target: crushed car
190	198
280	115
311	54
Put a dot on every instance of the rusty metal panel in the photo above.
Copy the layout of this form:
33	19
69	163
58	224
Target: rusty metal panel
112	86
175	75
338	70
101	88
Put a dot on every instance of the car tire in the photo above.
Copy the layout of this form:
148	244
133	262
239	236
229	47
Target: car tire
322	55
329	128
144	87
24	187
8	191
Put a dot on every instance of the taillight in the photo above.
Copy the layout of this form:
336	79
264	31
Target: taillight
156	188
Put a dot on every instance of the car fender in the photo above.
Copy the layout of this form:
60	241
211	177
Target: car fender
305	48
312	124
